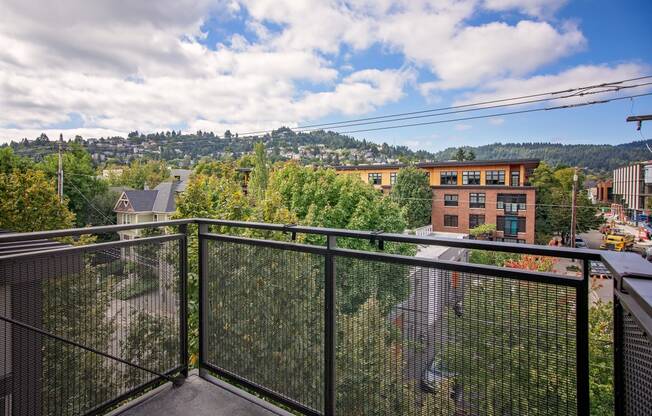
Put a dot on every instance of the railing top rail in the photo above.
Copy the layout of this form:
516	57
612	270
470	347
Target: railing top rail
103	229
91	247
562	252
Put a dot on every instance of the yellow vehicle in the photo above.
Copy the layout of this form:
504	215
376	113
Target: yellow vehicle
617	242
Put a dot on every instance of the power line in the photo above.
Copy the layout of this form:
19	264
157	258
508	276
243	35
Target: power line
508	113
91	204
539	100
566	91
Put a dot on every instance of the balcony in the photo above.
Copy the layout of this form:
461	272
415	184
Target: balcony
285	317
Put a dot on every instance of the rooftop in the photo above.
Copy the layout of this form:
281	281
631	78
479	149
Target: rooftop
451	163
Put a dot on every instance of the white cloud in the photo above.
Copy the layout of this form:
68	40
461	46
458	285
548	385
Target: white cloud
531	7
584	75
496	121
122	65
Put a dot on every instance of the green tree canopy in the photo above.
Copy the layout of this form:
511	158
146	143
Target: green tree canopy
141	173
413	194
554	201
260	173
9	161
80	182
30	203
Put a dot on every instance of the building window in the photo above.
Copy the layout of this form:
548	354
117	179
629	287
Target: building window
448	177
450	200
155	217
475	220
375	179
127	219
495	177
476	200
511	202
516	178
450	220
471	177
510	225
392	178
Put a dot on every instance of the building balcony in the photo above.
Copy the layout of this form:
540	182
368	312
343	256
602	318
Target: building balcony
234	318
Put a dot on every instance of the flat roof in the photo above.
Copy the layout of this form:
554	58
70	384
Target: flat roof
451	163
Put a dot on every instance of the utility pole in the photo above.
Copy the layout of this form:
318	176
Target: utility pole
574	209
60	170
639	120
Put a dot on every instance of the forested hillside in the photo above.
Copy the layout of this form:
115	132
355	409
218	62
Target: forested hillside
595	157
325	148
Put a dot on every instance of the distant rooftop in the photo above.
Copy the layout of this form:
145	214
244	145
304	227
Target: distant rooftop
451	163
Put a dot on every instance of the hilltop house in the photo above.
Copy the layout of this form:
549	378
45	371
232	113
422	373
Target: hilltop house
149	205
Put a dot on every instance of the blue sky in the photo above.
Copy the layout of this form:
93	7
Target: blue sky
258	64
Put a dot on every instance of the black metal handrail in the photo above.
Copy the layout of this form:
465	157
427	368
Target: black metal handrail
561	252
330	252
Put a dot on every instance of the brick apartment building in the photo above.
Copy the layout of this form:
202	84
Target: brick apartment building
470	193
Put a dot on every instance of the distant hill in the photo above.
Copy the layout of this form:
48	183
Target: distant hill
598	158
327	148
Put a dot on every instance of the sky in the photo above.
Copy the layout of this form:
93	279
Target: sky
108	67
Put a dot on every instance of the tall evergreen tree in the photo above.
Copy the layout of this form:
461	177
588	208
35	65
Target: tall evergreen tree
260	173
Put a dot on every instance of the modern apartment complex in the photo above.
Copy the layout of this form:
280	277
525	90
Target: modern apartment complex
632	185
471	193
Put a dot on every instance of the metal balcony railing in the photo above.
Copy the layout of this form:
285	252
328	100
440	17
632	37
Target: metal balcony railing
298	316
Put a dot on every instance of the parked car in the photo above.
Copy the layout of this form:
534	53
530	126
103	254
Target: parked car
436	374
579	242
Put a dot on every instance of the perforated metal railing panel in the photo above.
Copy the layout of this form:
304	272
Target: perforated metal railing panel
418	340
636	371
265	318
119	300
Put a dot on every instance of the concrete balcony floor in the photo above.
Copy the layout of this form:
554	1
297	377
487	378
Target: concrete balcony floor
199	397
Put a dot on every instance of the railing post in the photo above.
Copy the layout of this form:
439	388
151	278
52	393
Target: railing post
183	295
203	269
329	330
582	342
619	403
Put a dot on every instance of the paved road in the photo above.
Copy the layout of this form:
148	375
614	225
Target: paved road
592	238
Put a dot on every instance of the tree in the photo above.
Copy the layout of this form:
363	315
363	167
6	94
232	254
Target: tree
140	174
76	307
30	202
260	173
413	194
460	155
554	199
514	334
207	197
9	161
470	155
80	184
601	344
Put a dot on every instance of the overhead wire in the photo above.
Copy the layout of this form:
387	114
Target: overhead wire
507	113
615	89
522	97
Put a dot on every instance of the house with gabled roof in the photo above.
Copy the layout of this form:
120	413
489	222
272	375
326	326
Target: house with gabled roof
149	205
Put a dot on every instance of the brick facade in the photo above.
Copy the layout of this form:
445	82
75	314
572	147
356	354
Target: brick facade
490	211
